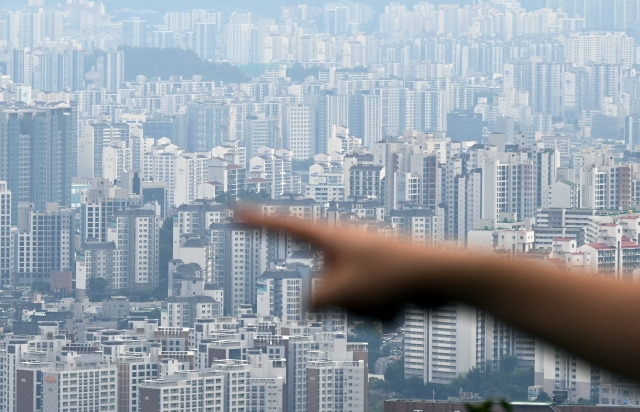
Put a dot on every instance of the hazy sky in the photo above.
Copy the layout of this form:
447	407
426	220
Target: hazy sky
260	6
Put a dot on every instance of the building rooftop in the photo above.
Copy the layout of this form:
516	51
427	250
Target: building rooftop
601	246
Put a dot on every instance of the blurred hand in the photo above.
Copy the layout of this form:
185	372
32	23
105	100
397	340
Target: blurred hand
365	273
372	275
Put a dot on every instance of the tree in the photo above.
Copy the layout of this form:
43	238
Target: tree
40	286
394	376
164	63
508	364
366	332
155	314
143	295
301	165
543	397
97	289
298	72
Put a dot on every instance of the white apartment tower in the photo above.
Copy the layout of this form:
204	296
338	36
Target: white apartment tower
439	344
188	391
600	47
266	385
344	382
557	370
365	117
299	131
135	234
280	294
238	38
275	167
116	160
99	205
239	257
80	382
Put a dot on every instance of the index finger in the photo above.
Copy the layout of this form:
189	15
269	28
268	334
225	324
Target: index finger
302	229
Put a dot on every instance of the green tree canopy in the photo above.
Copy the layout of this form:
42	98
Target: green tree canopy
164	63
97	289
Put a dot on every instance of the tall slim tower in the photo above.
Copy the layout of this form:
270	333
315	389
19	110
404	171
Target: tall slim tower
6	253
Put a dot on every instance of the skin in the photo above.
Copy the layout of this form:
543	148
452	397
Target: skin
592	317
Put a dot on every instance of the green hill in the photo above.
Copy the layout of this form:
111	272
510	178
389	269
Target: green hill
164	63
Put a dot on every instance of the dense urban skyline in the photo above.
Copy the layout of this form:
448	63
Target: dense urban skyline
129	130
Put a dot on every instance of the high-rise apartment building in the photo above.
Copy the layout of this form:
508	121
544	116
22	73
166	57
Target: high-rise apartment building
259	130
81	382
604	183
439	344
275	167
103	135
417	225
100	204
556	370
111	70
44	243
134	33
366	181
6	238
22	72
116	161
299	131
194	219
56	70
135	234
238	38
239	257
425	110
96	261
365	117
185	391
208	125
295	350
343	382
497	341
38	155
600	47
133	370
205	40
280	293
331	109
266	385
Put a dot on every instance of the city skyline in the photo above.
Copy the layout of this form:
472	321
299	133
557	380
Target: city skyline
130	131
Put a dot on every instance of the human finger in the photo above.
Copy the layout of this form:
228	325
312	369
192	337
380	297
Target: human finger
338	291
302	229
332	291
